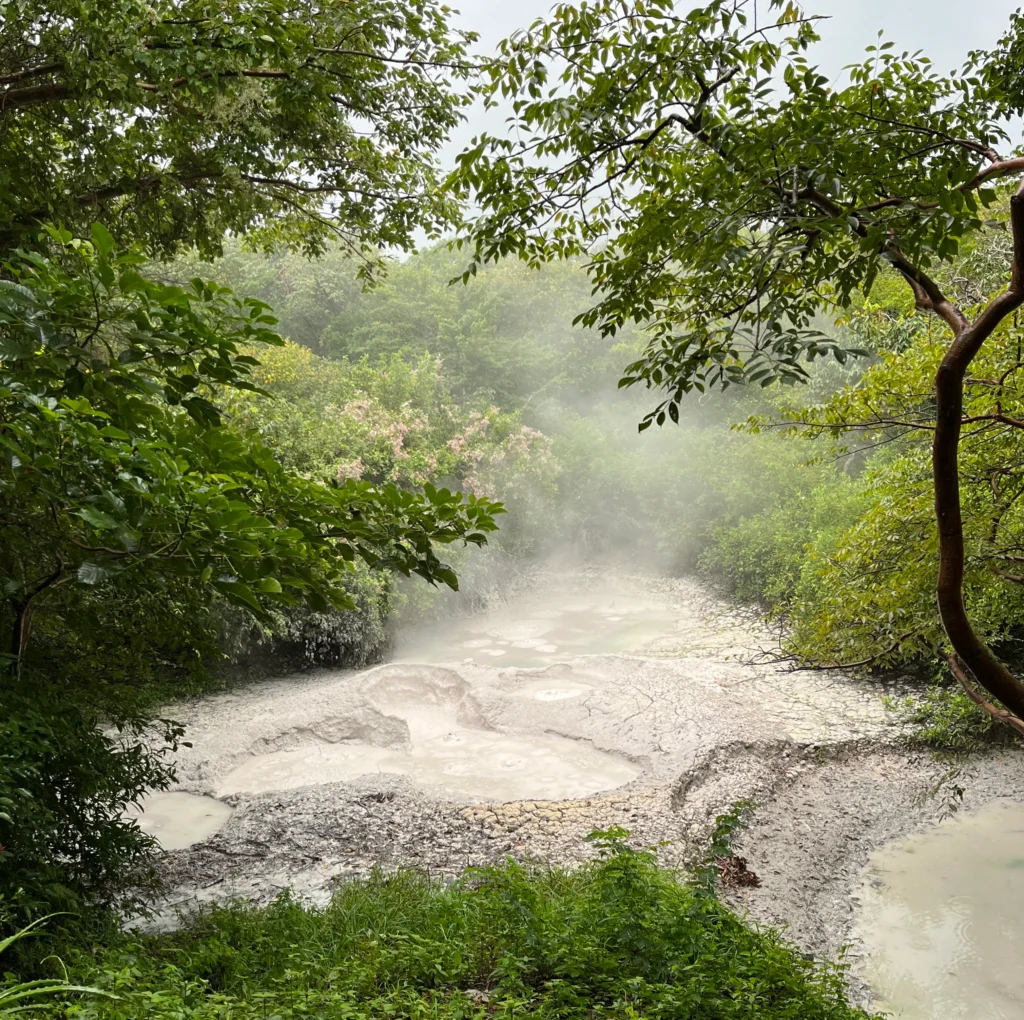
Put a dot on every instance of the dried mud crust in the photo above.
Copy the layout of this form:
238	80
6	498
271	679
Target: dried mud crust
698	724
270	843
307	840
676	719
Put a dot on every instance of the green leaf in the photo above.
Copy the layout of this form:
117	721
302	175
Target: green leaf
102	239
97	518
240	594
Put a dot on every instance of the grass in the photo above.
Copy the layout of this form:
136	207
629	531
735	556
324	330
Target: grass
620	937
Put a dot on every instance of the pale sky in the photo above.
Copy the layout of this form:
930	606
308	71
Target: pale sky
946	30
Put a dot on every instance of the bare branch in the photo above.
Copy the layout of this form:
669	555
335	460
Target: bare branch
31	72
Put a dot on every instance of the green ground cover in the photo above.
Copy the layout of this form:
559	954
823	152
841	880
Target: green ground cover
619	937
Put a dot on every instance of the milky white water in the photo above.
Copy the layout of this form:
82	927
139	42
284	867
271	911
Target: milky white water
942	914
445	749
477	763
541	631
178	820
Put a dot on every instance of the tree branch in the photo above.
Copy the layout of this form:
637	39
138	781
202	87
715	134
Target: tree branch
31	72
33	95
999	714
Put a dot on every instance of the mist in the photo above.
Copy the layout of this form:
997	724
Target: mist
489	389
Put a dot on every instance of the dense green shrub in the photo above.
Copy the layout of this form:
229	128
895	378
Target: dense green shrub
868	592
299	638
948	720
616	938
764	557
64	786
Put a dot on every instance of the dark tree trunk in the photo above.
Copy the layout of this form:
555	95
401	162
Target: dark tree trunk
987	670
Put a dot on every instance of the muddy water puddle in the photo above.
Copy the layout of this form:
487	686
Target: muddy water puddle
942	916
539	632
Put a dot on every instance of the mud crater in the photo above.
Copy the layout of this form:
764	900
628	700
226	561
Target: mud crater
423	722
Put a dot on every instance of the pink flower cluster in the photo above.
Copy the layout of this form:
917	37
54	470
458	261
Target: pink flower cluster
350	469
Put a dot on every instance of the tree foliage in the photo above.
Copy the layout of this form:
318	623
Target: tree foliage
127	506
118	466
505	341
729	197
870	594
131	509
725	193
173	123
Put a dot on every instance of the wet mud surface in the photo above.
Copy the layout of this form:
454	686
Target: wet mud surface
944	938
454	756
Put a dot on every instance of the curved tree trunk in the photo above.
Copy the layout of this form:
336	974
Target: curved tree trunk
989	672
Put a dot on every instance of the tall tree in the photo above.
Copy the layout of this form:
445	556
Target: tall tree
174	122
730	197
129	504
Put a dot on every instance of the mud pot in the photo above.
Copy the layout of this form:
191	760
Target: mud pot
942	914
603	700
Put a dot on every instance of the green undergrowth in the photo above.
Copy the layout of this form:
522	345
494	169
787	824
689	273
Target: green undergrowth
943	718
946	720
949	721
620	937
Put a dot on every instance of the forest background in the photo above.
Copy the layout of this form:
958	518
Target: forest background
488	388
233	424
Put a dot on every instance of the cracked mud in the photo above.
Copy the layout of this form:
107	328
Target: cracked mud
602	701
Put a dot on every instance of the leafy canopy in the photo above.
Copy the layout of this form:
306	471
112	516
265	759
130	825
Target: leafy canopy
724	192
506	340
173	122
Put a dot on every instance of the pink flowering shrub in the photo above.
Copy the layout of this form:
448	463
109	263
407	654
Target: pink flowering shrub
392	421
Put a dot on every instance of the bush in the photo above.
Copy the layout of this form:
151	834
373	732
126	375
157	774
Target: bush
19	997
619	937
762	558
949	721
64	787
297	637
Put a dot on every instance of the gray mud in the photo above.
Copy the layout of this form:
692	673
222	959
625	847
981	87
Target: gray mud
818	825
455	756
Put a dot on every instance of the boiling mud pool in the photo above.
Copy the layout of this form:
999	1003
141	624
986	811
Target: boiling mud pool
443	751
943	916
542	631
178	820
462	762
